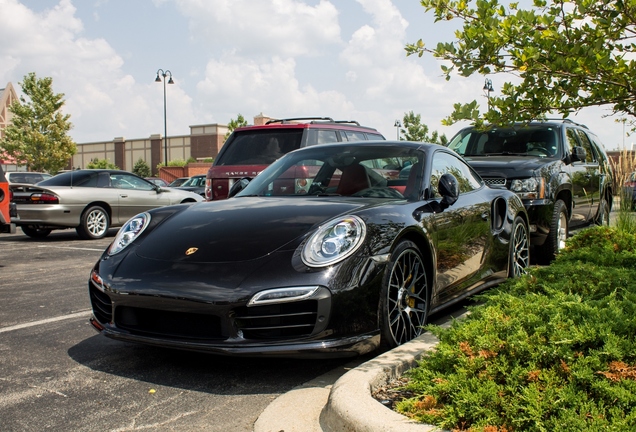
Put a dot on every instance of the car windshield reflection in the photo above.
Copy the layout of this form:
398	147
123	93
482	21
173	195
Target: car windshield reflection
371	171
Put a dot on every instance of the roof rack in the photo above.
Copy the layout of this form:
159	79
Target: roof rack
313	120
286	120
565	120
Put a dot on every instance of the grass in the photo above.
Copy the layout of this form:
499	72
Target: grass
553	350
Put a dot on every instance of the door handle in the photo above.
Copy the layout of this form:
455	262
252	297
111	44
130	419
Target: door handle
123	196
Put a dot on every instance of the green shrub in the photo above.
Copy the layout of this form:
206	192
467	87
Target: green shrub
553	350
101	164
141	168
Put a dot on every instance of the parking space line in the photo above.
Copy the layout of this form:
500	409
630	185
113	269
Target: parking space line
84	313
70	247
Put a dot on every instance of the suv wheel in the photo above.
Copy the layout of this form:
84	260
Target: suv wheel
603	216
557	236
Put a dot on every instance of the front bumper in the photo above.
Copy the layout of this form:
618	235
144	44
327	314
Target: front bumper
205	308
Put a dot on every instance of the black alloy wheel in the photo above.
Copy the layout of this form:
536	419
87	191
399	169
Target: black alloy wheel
519	248
603	216
557	236
405	296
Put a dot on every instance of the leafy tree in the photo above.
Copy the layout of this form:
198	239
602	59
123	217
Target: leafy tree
566	55
414	130
141	168
235	123
101	164
37	136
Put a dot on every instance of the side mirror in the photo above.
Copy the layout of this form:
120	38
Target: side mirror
239	186
448	188
578	154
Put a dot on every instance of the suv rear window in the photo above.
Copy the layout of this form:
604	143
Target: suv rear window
260	147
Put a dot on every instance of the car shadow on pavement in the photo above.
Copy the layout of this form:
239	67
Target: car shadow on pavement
197	371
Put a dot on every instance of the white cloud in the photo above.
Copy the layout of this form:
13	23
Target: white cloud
264	28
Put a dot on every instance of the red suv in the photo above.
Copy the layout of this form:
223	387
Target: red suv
250	149
7	209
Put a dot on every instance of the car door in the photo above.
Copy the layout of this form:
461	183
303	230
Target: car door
594	173
461	230
135	195
581	181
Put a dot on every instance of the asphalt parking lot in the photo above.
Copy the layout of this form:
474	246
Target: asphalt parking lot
57	373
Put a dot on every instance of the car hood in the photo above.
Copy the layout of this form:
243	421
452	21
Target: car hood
508	166
240	229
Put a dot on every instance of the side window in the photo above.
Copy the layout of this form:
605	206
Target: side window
573	141
371	136
354	136
87	181
444	163
587	145
460	144
103	179
321	136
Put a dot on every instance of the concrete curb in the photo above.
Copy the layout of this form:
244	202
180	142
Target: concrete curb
351	407
341	401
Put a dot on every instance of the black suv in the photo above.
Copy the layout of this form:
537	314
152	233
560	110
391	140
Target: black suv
557	167
248	150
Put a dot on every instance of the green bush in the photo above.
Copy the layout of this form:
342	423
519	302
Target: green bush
141	168
553	350
101	164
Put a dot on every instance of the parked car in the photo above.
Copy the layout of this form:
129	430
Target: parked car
7	208
558	168
178	182
248	150
629	189
91	201
195	184
158	181
359	260
26	177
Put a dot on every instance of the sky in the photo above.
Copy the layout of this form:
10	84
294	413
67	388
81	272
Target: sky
343	59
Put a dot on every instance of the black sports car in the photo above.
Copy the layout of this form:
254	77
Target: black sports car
332	250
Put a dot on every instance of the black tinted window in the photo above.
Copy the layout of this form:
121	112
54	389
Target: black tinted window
73	178
259	147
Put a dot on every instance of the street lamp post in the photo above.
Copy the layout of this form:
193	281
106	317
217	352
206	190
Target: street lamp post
488	89
398	125
167	73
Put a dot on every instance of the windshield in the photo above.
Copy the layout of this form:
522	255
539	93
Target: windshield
356	170
527	141
197	181
259	147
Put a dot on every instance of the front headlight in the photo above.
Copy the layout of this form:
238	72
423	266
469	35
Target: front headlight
129	232
334	241
529	188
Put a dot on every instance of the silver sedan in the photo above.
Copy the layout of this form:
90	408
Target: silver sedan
91	201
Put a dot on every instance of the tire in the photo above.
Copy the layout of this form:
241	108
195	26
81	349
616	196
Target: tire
94	223
404	298
557	236
34	232
603	216
519	257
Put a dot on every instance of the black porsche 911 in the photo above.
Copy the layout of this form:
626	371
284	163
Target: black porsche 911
333	250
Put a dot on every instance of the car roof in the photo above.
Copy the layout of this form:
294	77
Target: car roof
309	122
557	123
416	145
